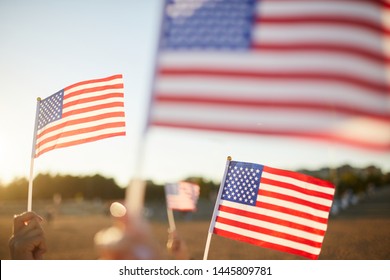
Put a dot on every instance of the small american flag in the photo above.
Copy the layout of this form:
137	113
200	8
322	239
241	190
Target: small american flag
182	196
297	68
273	208
83	112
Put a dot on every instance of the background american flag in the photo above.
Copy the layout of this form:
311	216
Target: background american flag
83	112
182	196
273	208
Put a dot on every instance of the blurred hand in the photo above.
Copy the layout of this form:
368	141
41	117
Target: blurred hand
128	239
28	240
176	246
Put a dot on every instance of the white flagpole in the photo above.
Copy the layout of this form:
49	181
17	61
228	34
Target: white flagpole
135	192
30	182
216	206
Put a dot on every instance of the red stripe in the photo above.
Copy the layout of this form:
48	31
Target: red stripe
89	90
382	88
338	20
326	137
80	131
92	99
92	108
273	220
118	76
253	103
294	200
81	141
264	244
79	121
298	176
377	3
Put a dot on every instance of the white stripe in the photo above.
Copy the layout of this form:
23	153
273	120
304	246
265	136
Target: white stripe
267	90
275	214
246	117
293	206
271	226
273	62
268	238
79	126
93	103
96	84
299	183
357	9
91	94
64	140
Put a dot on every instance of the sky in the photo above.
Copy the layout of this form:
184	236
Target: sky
48	45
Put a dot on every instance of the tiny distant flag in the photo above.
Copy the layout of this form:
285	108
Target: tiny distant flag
315	70
273	208
182	196
83	112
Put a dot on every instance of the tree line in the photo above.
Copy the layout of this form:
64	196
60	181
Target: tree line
46	186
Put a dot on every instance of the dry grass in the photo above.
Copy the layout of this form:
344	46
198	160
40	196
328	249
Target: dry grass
360	233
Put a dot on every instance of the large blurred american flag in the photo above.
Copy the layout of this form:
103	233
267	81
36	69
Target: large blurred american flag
298	68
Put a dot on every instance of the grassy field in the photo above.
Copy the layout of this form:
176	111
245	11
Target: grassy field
361	232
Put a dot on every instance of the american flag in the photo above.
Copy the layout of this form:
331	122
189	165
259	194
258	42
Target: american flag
273	208
83	112
182	196
316	69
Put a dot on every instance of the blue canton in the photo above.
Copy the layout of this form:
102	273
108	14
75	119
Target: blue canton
242	182
50	109
212	24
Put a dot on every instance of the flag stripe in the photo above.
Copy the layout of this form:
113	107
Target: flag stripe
322	47
82	130
300	179
347	78
80	121
91	110
112	80
85	139
94	98
259	104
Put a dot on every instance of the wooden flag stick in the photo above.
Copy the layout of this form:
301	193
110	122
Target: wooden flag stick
31	178
171	220
135	192
216	206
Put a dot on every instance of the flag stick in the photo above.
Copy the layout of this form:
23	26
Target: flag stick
171	220
135	192
216	206
30	182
